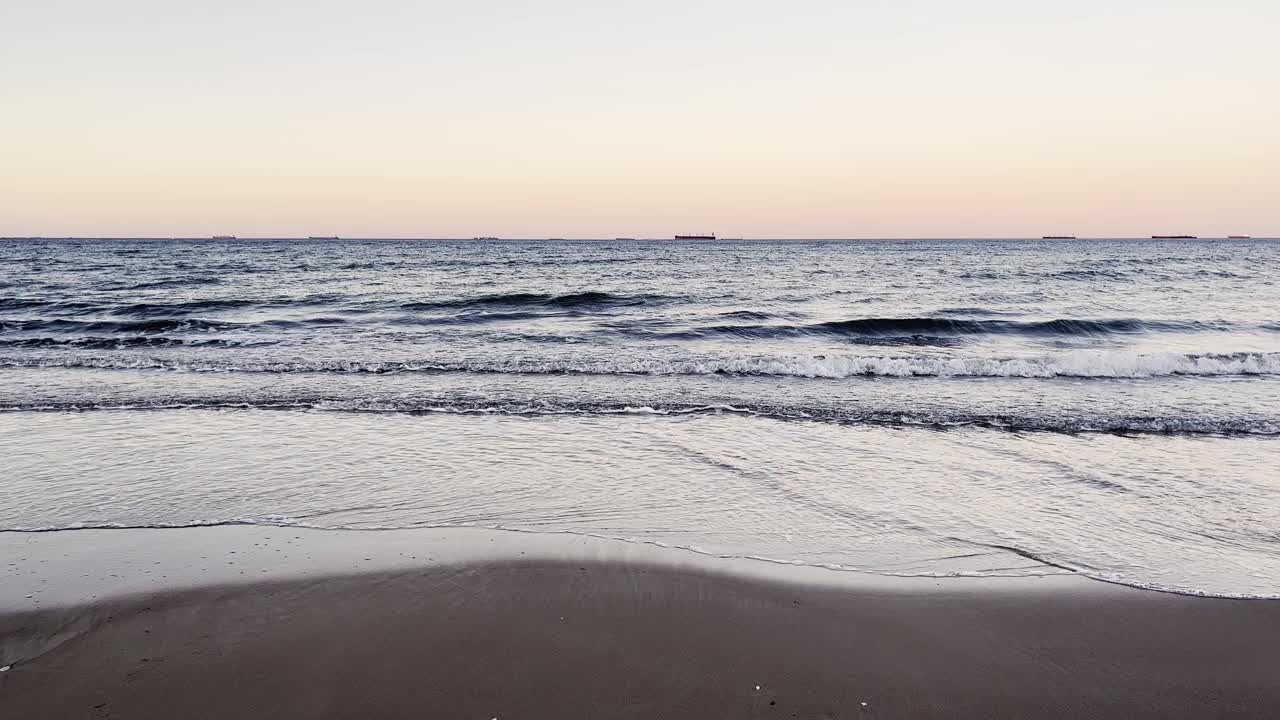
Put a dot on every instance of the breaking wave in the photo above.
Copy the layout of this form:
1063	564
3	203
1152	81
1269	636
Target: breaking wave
1073	364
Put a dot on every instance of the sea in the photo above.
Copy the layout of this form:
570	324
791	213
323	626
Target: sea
1109	408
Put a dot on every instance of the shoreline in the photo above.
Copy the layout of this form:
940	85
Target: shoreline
584	627
311	551
83	566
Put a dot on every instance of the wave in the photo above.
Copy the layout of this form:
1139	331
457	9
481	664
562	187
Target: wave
165	284
1074	364
127	342
747	315
471	318
585	299
19	303
921	327
164	320
1131	274
530	261
140	327
978	311
891	417
178	308
530	301
164	309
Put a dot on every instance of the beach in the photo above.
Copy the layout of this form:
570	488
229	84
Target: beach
652	361
490	624
639	479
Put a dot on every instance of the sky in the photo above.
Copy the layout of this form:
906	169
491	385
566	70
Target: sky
558	118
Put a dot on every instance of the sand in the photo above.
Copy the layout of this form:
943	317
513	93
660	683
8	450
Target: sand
592	637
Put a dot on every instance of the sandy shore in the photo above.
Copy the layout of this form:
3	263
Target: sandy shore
581	636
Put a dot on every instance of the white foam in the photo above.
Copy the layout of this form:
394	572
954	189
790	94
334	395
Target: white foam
1071	364
1085	364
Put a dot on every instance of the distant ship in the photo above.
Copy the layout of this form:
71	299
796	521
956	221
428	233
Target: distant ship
224	237
1058	237
696	237
1174	237
485	238
1238	237
322	237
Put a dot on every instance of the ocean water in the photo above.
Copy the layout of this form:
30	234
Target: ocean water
938	407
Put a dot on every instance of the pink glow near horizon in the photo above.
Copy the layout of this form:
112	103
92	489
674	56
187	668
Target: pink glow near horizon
827	119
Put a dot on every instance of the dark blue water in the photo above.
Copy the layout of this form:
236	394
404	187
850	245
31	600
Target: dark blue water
876	405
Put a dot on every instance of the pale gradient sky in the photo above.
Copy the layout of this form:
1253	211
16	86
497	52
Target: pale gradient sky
392	118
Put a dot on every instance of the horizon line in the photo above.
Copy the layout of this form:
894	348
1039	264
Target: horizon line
542	238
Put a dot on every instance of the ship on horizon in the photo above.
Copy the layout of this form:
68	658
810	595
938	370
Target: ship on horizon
1057	237
712	236
224	237
1174	237
322	237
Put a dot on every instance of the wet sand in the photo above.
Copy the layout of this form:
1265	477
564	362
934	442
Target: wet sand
588	637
